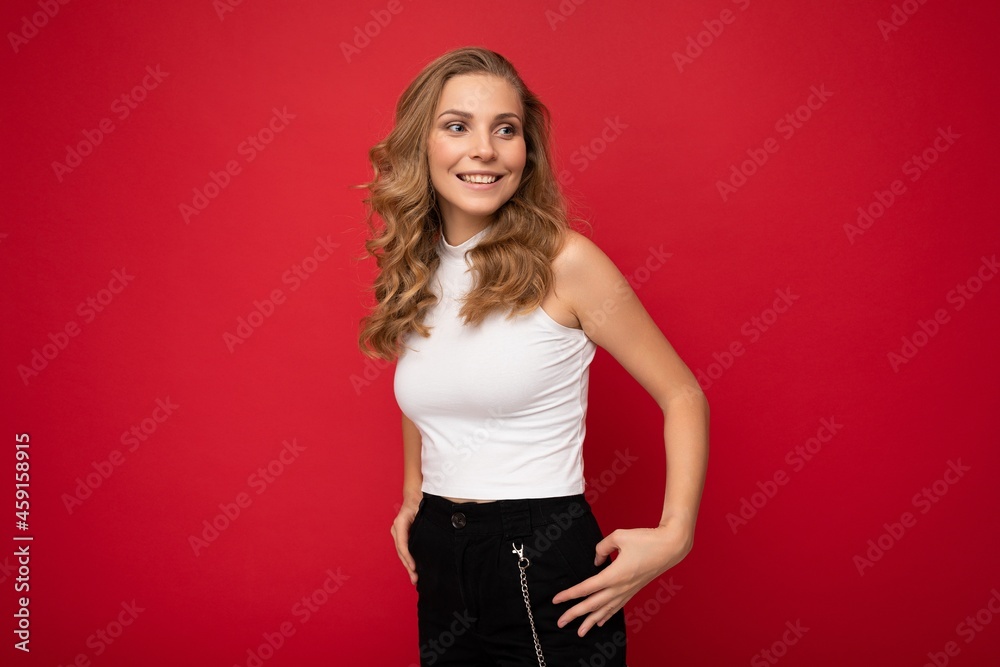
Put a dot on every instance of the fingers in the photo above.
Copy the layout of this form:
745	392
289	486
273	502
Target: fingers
401	537
606	547
609	610
593	608
590	585
599	617
601	599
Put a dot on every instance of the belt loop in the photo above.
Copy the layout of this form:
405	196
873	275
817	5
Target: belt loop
516	517
539	517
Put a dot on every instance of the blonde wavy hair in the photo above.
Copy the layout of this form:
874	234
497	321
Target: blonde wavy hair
511	264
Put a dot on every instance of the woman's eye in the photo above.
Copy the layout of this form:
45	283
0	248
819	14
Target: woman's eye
511	131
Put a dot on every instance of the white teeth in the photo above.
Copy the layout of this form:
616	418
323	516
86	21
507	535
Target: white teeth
478	178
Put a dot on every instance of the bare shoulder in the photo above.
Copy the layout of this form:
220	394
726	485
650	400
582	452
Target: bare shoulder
577	252
581	262
584	278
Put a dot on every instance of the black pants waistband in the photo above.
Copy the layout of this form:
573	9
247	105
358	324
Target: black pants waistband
510	518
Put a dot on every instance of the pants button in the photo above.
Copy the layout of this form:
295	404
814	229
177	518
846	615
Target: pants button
458	520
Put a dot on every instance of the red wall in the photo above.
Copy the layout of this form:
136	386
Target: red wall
851	366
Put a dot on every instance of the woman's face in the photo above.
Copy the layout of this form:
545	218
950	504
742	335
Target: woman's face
477	129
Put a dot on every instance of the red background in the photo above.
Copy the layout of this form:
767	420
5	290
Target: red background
654	186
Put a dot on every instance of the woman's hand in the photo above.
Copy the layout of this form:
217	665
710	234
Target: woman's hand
644	554
401	534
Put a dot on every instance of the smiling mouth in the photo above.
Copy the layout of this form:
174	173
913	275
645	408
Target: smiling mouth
481	179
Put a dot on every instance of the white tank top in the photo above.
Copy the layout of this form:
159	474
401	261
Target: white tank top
500	407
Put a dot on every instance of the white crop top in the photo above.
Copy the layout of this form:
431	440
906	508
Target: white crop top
500	407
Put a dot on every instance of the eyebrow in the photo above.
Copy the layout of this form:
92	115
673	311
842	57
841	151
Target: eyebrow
466	114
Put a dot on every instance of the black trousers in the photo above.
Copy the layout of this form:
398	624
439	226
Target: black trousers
471	609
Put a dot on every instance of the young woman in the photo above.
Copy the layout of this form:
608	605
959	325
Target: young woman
493	308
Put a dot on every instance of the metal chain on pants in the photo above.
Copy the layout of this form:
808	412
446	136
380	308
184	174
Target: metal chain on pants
522	564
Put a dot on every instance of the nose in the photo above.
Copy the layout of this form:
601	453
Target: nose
482	147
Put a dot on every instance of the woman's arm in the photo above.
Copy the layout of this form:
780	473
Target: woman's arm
589	284
412	481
